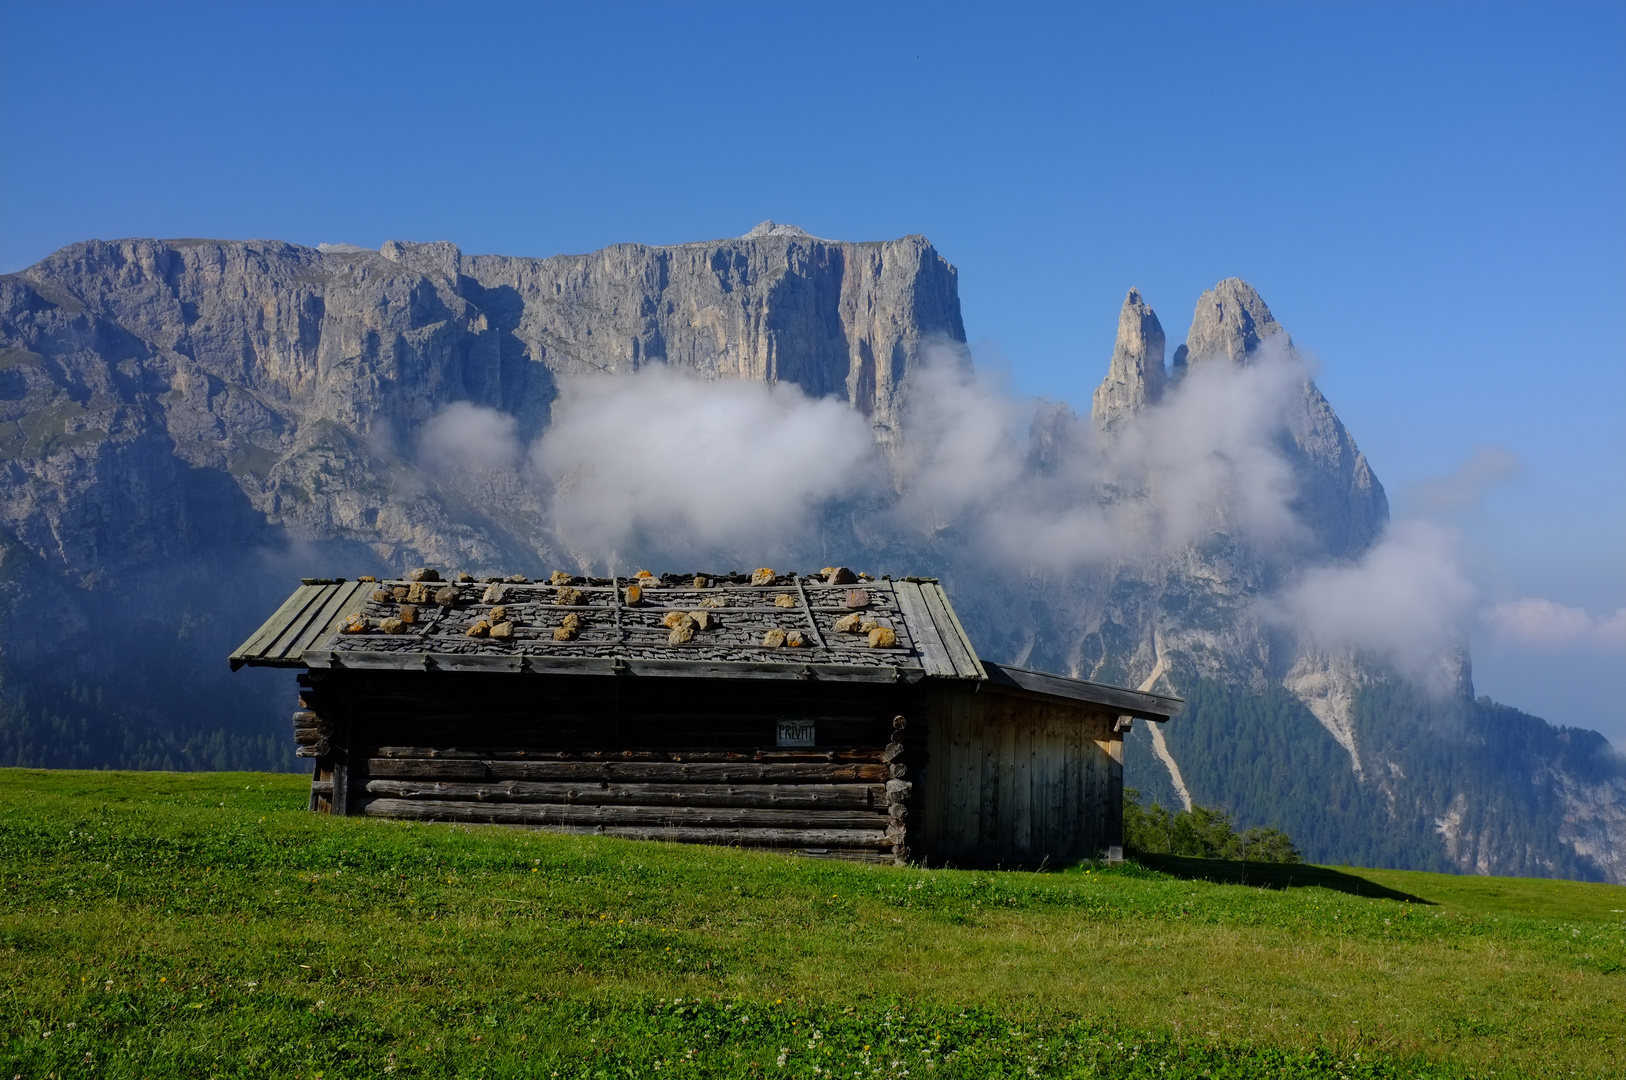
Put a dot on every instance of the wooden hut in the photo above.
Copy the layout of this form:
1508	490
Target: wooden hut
829	715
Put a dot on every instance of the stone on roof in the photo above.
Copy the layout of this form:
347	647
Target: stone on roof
831	625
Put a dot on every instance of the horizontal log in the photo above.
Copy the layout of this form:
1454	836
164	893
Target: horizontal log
826	844
745	772
689	832
870	797
519	723
455	753
859	699
635	740
699	708
710	817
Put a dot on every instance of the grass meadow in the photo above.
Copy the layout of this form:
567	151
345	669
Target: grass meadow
204	924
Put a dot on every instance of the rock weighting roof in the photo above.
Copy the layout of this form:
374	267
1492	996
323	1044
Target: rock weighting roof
835	625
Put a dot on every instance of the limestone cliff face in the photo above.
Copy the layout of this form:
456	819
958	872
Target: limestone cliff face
776	305
363	338
288	368
175	414
1229	324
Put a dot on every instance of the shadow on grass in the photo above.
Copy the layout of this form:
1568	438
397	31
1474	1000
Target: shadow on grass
1270	875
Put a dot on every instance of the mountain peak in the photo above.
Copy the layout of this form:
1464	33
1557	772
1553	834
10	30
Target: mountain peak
774	228
1230	322
1135	377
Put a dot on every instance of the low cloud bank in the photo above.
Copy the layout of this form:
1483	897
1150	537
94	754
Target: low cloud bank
1464	487
1031	485
681	469
463	437
676	467
1541	623
1406	599
666	468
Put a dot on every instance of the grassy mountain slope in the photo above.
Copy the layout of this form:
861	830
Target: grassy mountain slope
205	925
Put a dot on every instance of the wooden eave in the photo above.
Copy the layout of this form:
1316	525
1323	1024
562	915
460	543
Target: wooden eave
1111	698
311	614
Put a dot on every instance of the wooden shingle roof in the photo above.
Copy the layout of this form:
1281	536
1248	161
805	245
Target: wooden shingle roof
626	622
764	626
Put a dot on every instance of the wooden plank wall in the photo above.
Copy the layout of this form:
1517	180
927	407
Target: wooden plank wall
1018	779
642	758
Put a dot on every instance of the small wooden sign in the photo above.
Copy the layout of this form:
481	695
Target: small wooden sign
796	733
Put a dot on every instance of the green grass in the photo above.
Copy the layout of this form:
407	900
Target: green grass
181	925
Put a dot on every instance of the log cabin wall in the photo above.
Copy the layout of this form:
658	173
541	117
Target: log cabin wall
1017	779
651	707
654	759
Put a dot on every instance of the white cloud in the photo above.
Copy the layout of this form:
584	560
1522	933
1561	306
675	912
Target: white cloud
1211	451
1024	483
665	465
669	464
1465	486
668	467
470	438
1541	623
1406	599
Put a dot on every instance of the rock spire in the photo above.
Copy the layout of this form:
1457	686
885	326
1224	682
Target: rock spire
1230	322
1135	378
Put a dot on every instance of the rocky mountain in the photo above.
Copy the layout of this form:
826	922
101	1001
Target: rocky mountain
1197	607
1361	763
188	425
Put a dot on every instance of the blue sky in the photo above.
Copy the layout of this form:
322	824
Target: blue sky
1431	197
